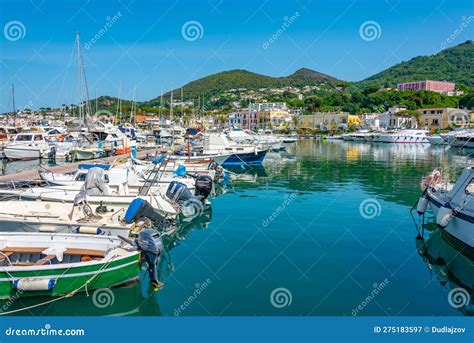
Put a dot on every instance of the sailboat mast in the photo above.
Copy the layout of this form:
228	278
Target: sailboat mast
85	110
13	103
79	80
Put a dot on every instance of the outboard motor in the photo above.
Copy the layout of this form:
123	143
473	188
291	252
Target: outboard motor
203	185
52	153
191	206
179	193
151	245
140	209
213	165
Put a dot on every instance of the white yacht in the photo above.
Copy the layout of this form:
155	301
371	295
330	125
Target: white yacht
27	146
404	136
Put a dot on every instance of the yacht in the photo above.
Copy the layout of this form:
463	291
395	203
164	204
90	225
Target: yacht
27	146
404	136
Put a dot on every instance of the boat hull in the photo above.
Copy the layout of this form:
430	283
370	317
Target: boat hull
246	158
71	278
22	154
460	227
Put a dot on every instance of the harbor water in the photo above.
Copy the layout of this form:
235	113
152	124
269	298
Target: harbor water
323	229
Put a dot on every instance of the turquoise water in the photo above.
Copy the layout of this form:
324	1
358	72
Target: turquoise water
322	230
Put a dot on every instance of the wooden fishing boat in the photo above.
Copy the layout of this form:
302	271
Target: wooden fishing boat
42	264
45	216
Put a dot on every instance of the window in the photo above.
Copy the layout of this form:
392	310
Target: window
435	121
470	188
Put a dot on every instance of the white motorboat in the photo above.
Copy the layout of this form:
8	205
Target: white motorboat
45	216
27	146
404	136
463	139
452	205
220	144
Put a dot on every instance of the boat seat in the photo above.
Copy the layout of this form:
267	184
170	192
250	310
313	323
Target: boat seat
46	260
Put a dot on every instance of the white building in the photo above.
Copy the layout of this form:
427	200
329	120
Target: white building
268	106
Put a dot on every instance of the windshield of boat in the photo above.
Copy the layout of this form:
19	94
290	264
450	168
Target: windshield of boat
24	138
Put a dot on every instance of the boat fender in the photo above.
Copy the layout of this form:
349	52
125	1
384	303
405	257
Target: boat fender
180	170
445	214
31	284
422	204
89	230
48	229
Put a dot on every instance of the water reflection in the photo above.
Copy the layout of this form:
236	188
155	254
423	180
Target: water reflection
451	264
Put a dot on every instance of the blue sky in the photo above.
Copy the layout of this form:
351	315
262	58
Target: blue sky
144	49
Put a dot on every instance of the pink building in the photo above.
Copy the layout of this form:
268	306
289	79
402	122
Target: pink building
427	85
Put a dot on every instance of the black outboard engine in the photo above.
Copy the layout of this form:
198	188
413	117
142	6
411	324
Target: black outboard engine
140	209
203	185
179	193
52	153
151	245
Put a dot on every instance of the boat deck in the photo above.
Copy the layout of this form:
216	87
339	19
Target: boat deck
67	167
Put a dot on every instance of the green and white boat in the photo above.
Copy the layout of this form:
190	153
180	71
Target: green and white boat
57	264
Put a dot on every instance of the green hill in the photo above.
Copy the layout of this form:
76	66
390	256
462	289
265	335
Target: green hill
237	79
454	64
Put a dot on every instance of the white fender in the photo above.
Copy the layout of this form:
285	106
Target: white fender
30	284
422	204
445	214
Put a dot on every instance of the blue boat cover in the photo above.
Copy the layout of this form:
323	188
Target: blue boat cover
133	209
93	165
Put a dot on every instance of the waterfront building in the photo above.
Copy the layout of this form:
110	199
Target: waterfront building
443	118
328	121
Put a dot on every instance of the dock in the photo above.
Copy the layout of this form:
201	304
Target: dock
32	175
